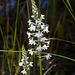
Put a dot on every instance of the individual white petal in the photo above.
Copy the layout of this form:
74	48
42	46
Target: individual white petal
48	42
22	59
24	71
27	62
42	17
43	39
38	21
21	64
39	34
32	28
30	51
32	42
31	64
45	47
46	29
48	56
37	13
43	26
29	34
39	48
33	16
29	22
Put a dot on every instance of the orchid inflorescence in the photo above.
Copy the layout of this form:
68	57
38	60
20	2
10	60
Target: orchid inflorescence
25	61
36	30
36	38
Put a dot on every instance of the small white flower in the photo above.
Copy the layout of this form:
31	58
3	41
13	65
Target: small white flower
31	41
45	47
33	16
39	34
37	13
32	28
34	10
48	56
46	29
48	42
24	71
29	22
27	62
43	39
31	64
30	51
21	64
22	59
39	48
29	34
43	26
38	21
42	17
50	62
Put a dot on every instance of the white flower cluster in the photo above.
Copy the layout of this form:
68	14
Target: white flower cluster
24	63
36	30
36	38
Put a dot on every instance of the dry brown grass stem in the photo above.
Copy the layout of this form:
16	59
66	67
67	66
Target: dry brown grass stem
58	39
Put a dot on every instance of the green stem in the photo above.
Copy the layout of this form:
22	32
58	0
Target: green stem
9	64
16	25
63	57
28	9
40	61
54	8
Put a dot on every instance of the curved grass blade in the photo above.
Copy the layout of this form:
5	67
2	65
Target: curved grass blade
69	10
69	5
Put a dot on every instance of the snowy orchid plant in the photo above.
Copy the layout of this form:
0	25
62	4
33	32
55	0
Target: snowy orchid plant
36	38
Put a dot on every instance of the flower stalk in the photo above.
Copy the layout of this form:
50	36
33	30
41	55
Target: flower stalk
40	63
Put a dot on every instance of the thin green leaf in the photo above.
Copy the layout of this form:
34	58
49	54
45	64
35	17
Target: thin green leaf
69	10
69	5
